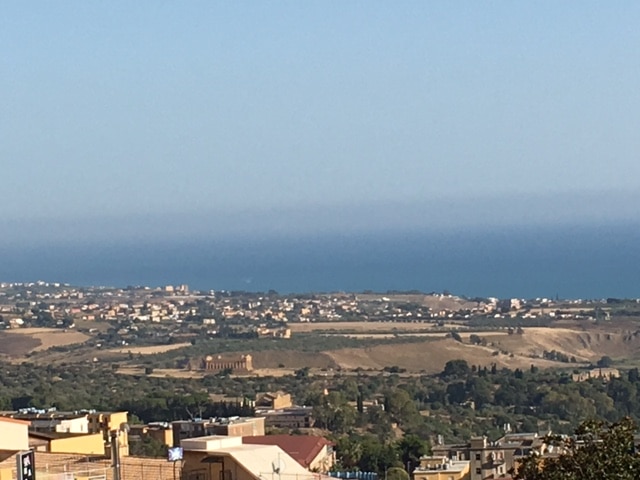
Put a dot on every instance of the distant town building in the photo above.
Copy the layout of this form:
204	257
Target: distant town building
273	400
292	417
509	304
160	431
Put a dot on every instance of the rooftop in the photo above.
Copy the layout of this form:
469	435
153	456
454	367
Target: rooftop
259	460
302	448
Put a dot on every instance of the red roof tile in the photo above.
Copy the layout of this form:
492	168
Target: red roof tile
302	448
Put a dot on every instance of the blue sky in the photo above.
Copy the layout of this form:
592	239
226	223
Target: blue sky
304	115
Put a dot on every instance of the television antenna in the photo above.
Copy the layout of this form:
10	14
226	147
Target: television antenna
278	466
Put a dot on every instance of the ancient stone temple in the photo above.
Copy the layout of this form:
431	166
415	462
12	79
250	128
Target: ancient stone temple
218	363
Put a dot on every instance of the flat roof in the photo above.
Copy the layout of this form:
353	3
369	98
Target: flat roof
59	435
14	420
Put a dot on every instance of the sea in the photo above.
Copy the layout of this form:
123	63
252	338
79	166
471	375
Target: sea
570	262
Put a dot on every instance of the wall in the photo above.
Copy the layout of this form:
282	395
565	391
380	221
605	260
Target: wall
194	469
135	468
288	419
247	428
280	401
164	435
14	434
91	444
441	475
114	421
73	425
132	468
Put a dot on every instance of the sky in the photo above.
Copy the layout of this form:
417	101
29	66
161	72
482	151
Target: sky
295	116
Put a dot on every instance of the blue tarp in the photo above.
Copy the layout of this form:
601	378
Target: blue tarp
355	475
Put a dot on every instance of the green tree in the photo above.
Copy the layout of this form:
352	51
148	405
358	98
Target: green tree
396	473
598	451
348	452
605	362
456	368
401	407
411	448
377	456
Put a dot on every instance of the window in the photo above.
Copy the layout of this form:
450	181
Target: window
477	456
478	471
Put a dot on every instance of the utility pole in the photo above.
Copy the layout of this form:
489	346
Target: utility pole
115	454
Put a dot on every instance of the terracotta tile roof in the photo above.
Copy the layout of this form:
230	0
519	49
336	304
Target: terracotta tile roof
303	448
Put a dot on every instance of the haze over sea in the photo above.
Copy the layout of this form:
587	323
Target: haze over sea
516	261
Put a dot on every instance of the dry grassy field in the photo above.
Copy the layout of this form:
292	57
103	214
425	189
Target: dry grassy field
512	351
364	327
19	342
179	373
428	351
585	345
149	350
292	359
430	356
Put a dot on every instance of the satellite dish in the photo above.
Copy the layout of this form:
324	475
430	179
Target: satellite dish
124	427
278	466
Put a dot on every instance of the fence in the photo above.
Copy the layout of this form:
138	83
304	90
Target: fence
75	467
80	474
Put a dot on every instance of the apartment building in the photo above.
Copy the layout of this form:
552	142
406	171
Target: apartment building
233	426
292	417
441	468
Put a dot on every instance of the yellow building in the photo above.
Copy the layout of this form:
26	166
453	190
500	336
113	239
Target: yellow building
274	400
161	432
108	423
441	468
72	443
85	422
